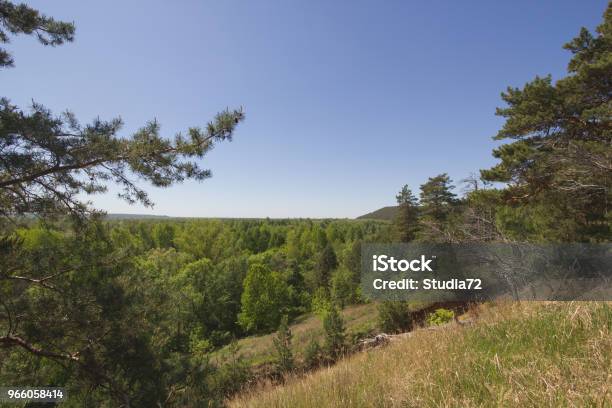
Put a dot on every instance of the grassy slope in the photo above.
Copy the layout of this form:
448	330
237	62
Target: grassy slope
259	349
530	354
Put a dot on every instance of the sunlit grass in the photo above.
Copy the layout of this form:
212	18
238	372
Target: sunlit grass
525	354
260	349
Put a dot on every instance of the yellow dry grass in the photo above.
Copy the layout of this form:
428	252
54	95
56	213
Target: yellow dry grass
515	355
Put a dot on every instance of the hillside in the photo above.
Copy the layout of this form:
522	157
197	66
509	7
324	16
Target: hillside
385	214
360	321
522	354
258	350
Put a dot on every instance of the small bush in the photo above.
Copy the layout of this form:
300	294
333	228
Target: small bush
440	316
312	354
394	317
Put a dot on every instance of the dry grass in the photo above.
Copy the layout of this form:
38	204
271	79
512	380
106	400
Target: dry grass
525	354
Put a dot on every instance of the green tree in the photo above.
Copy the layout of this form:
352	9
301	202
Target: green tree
203	297
335	333
557	162
49	162
407	219
22	19
71	309
163	235
326	263
352	259
312	354
438	204
282	345
344	289
437	198
264	299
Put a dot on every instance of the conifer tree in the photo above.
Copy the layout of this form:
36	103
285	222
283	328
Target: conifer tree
438	203
48	162
335	333
69	306
558	159
326	263
312	354
437	198
407	219
282	345
394	316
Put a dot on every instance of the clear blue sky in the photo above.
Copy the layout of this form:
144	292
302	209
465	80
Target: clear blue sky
346	101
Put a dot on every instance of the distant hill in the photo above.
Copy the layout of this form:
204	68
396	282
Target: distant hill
385	213
133	216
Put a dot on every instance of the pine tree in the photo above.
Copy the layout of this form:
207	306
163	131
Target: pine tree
282	345
437	198
352	260
326	263
407	219
73	310
558	161
335	333
312	354
438	203
49	162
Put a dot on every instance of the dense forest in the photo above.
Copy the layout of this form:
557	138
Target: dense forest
129	312
143	303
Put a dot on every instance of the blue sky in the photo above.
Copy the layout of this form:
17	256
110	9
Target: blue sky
346	101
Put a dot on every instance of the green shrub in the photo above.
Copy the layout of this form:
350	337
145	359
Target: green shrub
440	316
394	317
312	354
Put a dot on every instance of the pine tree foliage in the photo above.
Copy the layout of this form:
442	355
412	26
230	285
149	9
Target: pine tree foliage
335	333
22	19
47	162
437	198
559	154
327	262
407	221
282	344
312	354
438	205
